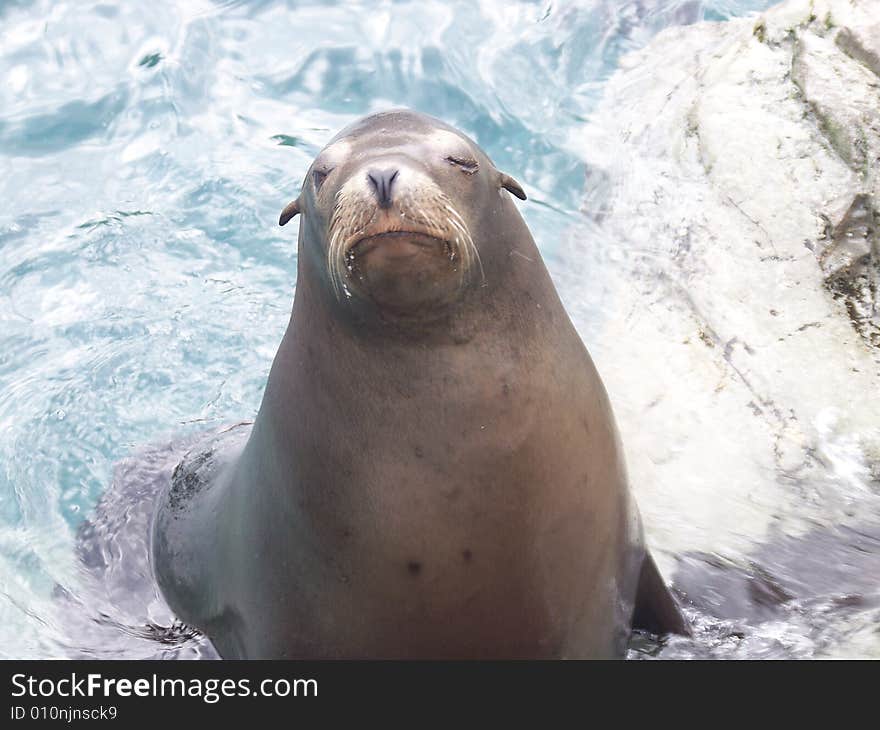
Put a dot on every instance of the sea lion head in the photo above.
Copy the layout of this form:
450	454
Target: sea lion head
397	212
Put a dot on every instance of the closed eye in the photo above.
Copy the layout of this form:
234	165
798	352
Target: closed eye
466	164
319	176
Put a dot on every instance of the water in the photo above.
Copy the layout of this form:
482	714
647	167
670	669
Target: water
146	151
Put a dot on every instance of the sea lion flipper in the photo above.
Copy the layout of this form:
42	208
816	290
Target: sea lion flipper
656	609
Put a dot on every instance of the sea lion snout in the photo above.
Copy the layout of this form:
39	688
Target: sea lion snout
397	239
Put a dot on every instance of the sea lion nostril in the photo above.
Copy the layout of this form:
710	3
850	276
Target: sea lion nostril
382	181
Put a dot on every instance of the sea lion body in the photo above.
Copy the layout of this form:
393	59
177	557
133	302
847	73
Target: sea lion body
435	470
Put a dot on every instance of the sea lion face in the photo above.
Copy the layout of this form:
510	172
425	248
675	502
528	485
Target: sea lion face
395	209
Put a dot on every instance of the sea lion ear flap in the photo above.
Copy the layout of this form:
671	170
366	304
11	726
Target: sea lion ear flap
511	185
289	212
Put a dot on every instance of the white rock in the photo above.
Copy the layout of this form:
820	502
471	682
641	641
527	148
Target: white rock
743	349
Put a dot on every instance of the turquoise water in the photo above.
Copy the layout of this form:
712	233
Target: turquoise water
146	151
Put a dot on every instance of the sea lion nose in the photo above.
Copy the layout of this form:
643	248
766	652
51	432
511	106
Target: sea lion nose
381	181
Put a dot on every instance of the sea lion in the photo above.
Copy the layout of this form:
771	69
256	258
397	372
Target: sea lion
435	470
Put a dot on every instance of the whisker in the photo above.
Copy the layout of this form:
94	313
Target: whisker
424	206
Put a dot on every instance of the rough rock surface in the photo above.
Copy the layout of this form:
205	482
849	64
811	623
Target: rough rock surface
739	165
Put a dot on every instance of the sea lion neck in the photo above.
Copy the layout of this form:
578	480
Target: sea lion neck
330	362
